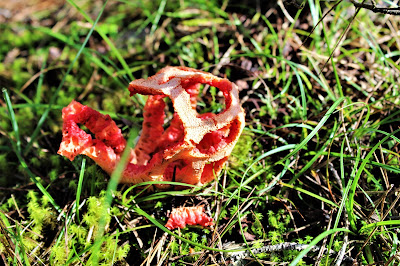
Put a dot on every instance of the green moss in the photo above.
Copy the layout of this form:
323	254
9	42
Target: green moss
110	105
40	213
25	118
280	222
72	185
6	206
59	253
4	165
35	162
64	98
95	212
30	243
78	232
257	226
53	174
22	170
112	252
81	236
242	149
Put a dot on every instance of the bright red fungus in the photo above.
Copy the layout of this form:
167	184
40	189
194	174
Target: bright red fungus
192	150
182	216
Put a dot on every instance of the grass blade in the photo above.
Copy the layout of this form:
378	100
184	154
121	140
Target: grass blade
55	95
13	120
21	159
360	170
79	189
315	242
301	145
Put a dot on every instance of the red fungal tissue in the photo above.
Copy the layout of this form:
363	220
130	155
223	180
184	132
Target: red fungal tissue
182	216
192	149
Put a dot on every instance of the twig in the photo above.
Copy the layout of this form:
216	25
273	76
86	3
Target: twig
378	9
285	12
296	3
340	40
238	258
323	246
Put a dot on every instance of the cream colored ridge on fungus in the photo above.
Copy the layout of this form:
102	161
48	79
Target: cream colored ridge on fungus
195	128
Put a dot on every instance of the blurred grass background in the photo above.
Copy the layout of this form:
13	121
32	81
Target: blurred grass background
318	161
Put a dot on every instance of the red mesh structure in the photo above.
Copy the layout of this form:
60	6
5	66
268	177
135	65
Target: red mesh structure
192	150
182	216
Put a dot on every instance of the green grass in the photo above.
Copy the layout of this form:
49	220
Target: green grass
317	165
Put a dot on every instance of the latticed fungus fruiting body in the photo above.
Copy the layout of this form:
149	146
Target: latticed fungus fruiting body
182	216
192	150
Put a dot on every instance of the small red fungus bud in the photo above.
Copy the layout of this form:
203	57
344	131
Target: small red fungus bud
180	217
192	150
